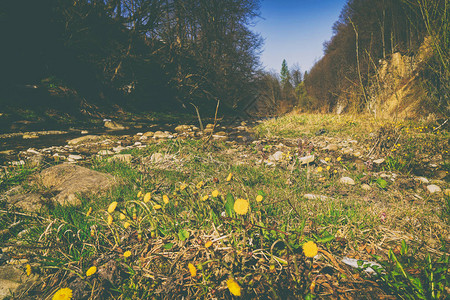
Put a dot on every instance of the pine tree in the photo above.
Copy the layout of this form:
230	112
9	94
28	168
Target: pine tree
285	75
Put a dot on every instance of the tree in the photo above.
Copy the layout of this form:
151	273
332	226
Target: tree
285	75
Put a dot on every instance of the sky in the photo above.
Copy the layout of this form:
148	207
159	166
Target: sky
295	30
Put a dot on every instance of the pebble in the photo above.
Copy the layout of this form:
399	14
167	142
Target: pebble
75	157
307	159
432	188
315	197
347	180
423	180
366	187
379	161
276	156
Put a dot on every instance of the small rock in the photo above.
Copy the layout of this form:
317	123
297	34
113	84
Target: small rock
32	151
182	128
84	132
306	159
331	147
366	187
423	180
347	180
148	134
315	197
432	188
379	161
84	139
357	154
218	137
75	157
276	156
35	161
118	149
30	136
160	135
139	134
347	150
105	152
137	144
114	125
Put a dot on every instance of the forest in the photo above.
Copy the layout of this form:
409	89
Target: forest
167	55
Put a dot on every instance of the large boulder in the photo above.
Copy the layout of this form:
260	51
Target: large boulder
69	180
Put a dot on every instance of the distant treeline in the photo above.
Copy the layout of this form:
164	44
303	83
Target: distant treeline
370	30
148	53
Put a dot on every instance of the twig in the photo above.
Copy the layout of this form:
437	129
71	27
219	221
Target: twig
440	125
198	116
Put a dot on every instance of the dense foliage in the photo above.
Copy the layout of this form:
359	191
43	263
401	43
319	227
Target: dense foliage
369	31
143	52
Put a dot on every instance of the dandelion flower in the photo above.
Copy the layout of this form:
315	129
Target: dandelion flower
28	269
110	219
204	198
157	206
112	207
122	216
126	225
208	244
91	271
234	287
165	199
229	176
63	294
192	270
127	254
319	169
335	171
327	159
339	158
147	197
241	206
89	211
259	198
139	194
200	184
328	168
310	249
215	193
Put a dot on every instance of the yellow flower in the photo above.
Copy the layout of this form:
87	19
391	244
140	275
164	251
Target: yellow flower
310	249
127	254
89	211
157	206
28	268
328	168
229	176
259	198
200	184
110	219
63	294
241	206
339	158
126	225
319	169
234	287
165	199
112	207
335	171
192	270
147	197
91	271
139	194
183	187
215	193
327	159
204	198
208	244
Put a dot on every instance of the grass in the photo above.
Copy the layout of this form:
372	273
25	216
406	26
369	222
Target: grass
191	243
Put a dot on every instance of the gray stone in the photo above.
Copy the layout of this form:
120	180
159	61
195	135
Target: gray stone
366	187
423	180
315	197
84	139
28	202
432	188
11	278
332	147
218	137
75	157
379	161
160	135
347	180
182	128
276	156
114	125
149	134
306	159
69	180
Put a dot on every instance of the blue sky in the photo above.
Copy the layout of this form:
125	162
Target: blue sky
295	30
